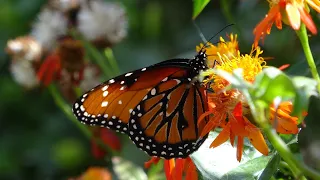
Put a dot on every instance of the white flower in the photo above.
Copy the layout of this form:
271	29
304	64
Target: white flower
24	48
90	77
102	20
49	26
24	73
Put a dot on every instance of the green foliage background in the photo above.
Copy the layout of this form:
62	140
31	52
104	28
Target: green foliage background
36	139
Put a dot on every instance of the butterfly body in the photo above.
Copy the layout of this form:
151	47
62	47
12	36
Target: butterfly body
157	106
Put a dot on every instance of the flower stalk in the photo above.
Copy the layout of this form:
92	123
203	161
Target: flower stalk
298	168
60	102
303	36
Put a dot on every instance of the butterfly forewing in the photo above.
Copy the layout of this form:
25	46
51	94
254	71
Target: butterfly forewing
111	103
158	107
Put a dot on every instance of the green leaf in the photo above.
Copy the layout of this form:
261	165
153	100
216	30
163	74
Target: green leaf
277	84
155	172
306	87
126	170
271	168
218	163
198	6
248	170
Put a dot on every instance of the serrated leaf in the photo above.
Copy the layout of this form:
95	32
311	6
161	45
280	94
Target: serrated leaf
271	168
198	6
125	170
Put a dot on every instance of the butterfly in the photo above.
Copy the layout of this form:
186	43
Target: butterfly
157	106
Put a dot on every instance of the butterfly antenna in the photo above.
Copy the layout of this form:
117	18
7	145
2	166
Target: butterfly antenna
216	35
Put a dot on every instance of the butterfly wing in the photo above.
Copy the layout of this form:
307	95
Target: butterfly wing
157	107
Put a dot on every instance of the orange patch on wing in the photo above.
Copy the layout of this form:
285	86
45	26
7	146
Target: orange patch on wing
151	78
93	102
189	132
135	100
179	74
116	107
175	97
145	119
161	136
174	136
166	85
150	131
152	101
201	109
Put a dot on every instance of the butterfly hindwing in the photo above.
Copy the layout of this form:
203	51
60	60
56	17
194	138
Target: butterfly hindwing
164	123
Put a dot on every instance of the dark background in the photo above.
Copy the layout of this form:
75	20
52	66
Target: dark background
37	140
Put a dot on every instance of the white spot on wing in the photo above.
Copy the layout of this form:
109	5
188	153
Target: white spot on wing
165	79
143	69
153	91
119	102
111	81
105	87
128	74
105	93
122	88
104	104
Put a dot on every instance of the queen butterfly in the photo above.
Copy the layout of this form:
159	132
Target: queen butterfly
157	107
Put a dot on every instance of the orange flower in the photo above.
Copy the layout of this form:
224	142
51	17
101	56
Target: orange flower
94	173
291	12
175	167
229	109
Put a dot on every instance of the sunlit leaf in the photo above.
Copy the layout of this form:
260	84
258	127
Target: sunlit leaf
126	170
219	162
198	6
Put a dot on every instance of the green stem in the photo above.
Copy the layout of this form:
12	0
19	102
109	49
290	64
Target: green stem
112	60
95	54
66	109
298	168
303	36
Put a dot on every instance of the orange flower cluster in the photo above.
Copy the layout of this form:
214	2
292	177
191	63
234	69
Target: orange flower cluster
229	110
291	12
175	167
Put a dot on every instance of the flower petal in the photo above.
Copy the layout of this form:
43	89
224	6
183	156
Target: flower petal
239	148
153	160
293	16
257	140
168	168
178	169
307	20
222	137
192	173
